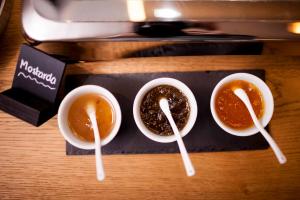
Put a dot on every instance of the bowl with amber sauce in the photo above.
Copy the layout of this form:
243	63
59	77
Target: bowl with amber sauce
231	114
74	123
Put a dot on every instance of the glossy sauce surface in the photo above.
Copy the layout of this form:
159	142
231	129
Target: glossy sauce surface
232	111
154	118
80	123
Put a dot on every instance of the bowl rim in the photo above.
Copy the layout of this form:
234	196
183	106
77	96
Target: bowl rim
267	97
165	81
64	110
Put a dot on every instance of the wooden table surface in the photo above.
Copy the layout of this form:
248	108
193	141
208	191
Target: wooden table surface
33	164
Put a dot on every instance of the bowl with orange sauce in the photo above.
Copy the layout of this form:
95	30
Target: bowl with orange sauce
74	123
229	111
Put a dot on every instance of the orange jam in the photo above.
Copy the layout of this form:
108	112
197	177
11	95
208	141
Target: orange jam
232	111
80	123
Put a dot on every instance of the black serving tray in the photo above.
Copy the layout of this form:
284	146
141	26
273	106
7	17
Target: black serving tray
205	136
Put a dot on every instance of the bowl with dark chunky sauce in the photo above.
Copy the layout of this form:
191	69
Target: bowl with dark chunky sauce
230	112
149	117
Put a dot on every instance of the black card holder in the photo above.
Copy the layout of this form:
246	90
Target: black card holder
27	106
36	87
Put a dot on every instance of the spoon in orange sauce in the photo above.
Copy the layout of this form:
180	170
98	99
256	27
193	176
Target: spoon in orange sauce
91	111
244	97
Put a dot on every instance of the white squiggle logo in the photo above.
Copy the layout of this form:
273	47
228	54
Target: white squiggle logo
34	79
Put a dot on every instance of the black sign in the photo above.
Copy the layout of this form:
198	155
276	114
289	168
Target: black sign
38	73
36	85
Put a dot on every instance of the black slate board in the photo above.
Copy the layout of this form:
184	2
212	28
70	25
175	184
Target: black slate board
205	136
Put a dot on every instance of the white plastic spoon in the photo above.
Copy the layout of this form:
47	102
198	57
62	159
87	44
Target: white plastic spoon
90	109
244	97
164	105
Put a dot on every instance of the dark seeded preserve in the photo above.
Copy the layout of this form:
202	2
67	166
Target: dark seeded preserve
154	118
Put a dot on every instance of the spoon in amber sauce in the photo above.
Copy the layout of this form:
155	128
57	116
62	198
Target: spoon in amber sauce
164	106
91	111
244	97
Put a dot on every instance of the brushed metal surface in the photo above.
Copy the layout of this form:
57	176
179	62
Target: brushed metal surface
93	20
85	24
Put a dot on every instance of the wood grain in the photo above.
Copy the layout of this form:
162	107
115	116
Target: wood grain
33	164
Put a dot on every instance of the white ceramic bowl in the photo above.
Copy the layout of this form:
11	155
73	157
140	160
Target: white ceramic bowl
65	105
165	81
267	97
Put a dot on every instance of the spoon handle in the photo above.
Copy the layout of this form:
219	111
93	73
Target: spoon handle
185	156
280	156
98	154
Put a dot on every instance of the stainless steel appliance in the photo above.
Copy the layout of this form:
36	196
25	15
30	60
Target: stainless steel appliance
93	21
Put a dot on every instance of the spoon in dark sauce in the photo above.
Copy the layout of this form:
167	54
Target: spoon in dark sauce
164	105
